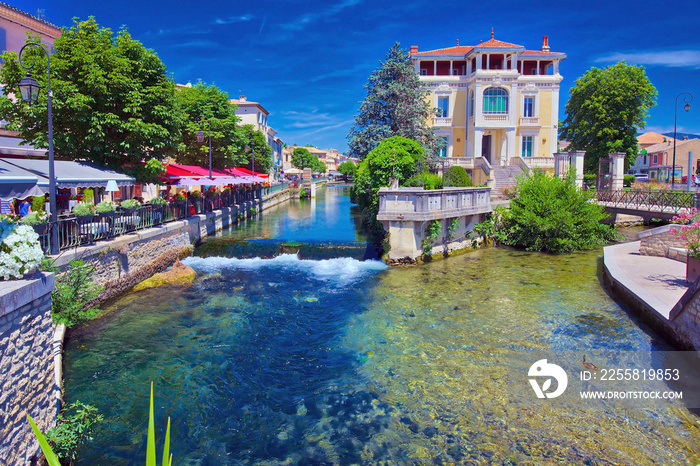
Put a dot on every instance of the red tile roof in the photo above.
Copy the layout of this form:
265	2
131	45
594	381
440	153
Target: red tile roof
491	43
539	52
459	50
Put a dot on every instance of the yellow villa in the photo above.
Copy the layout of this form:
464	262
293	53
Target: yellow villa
498	106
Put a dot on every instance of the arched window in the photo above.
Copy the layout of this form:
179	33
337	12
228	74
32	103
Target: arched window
471	103
495	100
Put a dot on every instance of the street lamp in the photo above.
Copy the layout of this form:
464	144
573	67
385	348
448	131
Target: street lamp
200	138
686	107
29	90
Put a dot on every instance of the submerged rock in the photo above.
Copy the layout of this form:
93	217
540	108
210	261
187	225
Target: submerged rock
179	274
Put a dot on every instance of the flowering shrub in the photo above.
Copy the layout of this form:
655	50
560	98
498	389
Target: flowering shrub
194	194
20	251
689	231
180	197
35	218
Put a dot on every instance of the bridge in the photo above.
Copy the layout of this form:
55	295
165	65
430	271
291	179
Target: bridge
648	204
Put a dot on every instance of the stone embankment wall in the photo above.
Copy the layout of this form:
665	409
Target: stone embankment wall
122	262
662	243
27	376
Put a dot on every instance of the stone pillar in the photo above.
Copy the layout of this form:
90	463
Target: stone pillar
576	157
512	147
27	377
617	170
562	161
478	140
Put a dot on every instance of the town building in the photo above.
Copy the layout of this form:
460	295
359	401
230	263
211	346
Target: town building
643	160
253	113
498	104
330	157
661	159
14	25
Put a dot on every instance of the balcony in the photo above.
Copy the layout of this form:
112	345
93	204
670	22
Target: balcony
529	121
442	121
495	117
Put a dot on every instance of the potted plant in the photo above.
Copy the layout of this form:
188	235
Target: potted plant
158	201
130	205
84	211
39	220
106	208
690	233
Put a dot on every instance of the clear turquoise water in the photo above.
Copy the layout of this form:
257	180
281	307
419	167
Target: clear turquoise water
285	360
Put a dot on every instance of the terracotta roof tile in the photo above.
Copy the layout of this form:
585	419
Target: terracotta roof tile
540	52
652	138
491	43
459	50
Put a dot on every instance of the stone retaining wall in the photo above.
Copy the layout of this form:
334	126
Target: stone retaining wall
27	369
661	242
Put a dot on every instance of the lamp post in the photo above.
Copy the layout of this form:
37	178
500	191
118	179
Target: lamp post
29	90
686	107
200	138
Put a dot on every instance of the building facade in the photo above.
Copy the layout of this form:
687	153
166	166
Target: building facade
660	157
253	113
496	101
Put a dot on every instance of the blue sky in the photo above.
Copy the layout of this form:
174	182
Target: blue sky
307	62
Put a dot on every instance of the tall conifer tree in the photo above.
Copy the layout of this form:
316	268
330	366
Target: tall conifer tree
396	105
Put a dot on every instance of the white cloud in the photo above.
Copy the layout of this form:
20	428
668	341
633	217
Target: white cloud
311	119
234	19
671	59
308	18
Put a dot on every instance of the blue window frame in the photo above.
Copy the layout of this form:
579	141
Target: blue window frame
528	106
527	146
444	106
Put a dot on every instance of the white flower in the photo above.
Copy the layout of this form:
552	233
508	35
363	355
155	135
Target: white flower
20	252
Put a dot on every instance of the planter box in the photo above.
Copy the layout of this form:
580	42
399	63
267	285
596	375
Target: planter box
692	269
41	229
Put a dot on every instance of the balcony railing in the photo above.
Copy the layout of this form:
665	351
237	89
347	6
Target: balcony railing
442	121
496	117
529	121
77	231
417	204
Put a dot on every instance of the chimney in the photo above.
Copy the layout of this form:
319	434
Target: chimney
457	42
414	49
545	43
242	98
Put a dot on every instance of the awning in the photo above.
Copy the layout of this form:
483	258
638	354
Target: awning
71	174
249	172
293	171
17	183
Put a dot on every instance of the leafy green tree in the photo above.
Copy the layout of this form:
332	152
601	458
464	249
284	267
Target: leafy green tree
113	101
204	102
552	215
396	105
606	110
395	156
348	169
258	147
302	158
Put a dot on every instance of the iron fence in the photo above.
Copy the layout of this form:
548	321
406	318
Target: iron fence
77	231
652	201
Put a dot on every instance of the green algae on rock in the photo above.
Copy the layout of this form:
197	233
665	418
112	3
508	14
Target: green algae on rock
179	274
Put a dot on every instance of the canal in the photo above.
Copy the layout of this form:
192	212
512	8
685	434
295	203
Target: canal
330	357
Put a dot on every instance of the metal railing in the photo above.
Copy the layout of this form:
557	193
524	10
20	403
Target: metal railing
651	201
77	231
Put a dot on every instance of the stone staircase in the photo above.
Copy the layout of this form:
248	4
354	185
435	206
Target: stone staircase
505	176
